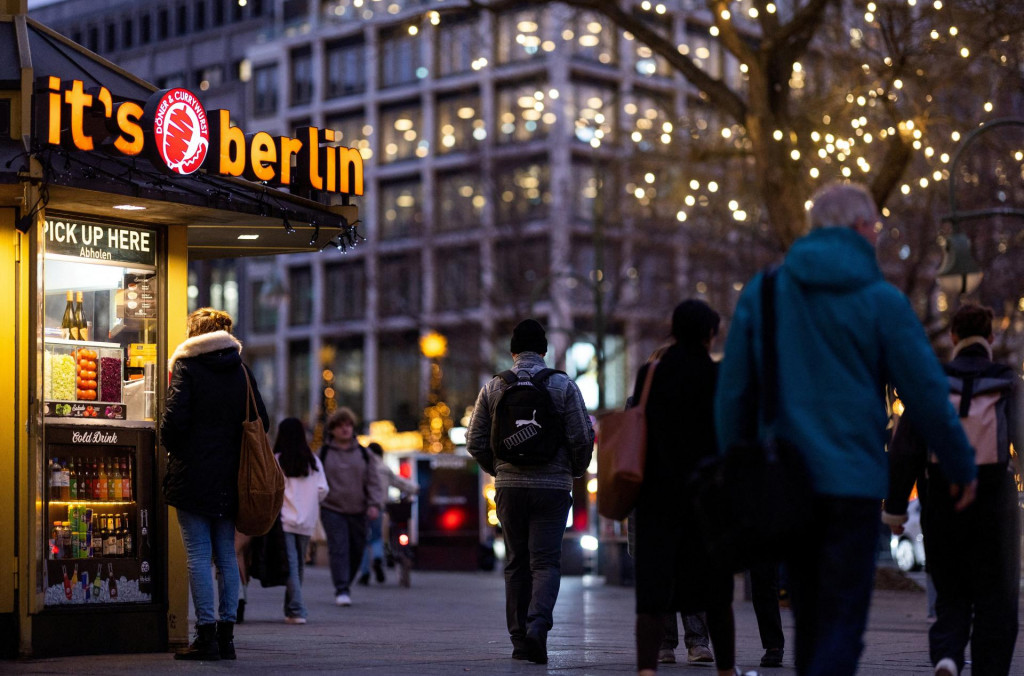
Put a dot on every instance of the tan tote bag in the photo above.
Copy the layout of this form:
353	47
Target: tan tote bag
621	453
260	479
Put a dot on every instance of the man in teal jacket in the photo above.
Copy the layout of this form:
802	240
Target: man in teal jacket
844	333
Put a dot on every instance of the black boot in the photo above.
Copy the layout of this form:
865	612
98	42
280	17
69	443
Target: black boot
240	613
204	647
378	570
226	640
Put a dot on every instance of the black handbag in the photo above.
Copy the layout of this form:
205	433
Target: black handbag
753	503
269	557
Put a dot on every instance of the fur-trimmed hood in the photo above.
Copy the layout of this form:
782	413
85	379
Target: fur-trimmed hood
203	344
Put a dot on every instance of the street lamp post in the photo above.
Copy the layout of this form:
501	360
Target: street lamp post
436	422
959	273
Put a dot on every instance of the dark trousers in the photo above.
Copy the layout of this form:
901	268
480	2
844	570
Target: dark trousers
831	577
533	522
974	560
764	592
346	540
695	631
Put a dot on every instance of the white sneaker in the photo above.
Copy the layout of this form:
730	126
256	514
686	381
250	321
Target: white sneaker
295	620
343	600
946	667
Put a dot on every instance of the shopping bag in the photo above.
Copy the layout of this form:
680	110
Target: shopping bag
621	454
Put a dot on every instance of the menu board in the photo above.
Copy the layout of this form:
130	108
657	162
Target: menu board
140	296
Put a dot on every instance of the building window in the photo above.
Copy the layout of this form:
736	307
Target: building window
298	379
302	76
458	279
524	193
398	382
351	130
593	39
256	8
400	133
656	276
592	108
346	68
460	124
401	209
111	39
211	76
262	366
345	291
348	367
399	58
264	314
146	29
583	262
128	34
199	15
237	11
461	201
264	88
163	24
218	12
93	40
519	35
459	46
523	275
171	81
648	119
300	296
525	112
399	288
181	26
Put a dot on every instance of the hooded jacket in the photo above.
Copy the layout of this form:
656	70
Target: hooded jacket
844	333
201	427
572	458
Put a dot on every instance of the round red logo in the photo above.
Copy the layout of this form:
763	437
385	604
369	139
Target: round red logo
181	131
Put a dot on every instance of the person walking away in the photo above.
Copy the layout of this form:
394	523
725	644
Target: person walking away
973	555
764	593
305	487
844	333
201	430
695	639
354	497
672	572
374	551
533	449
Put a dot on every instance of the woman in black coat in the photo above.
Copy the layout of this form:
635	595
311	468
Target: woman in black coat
202	432
672	575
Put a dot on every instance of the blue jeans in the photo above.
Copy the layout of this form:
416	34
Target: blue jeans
374	544
295	547
831	577
346	539
210	540
533	522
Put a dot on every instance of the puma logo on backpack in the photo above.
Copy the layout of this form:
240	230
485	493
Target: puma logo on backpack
526	429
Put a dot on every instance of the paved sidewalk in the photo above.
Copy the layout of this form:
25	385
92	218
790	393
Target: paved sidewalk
453	623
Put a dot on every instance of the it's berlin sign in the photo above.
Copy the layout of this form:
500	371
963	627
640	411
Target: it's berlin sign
173	130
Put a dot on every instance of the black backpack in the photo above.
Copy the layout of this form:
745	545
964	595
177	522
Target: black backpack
526	429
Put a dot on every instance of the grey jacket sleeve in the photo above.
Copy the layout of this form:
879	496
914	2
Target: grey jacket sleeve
579	433
376	492
478	436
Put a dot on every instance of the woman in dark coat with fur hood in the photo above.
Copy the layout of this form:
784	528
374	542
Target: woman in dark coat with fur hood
202	432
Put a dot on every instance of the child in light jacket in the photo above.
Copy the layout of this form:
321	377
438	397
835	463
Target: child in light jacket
305	488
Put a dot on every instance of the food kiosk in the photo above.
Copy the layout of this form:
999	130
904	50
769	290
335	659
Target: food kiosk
107	188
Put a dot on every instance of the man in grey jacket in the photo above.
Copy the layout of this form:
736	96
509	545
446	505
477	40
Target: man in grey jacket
533	500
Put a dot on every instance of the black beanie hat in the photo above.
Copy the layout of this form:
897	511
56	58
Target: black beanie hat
528	336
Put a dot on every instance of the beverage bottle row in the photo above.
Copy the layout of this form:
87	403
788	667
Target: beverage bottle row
108	479
92	591
73	325
89	535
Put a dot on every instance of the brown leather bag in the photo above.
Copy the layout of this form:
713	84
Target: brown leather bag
621	454
260	479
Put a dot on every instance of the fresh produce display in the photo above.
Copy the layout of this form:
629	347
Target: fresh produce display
110	379
86	374
63	368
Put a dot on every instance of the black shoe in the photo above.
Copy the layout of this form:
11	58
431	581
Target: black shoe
204	647
537	647
240	612
378	570
364	579
520	653
772	657
226	640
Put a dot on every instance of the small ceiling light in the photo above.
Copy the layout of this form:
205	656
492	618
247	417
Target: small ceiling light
248	237
129	207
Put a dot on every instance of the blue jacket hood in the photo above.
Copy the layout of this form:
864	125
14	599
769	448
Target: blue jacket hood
833	259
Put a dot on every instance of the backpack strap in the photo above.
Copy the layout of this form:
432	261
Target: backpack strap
966	395
508	376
